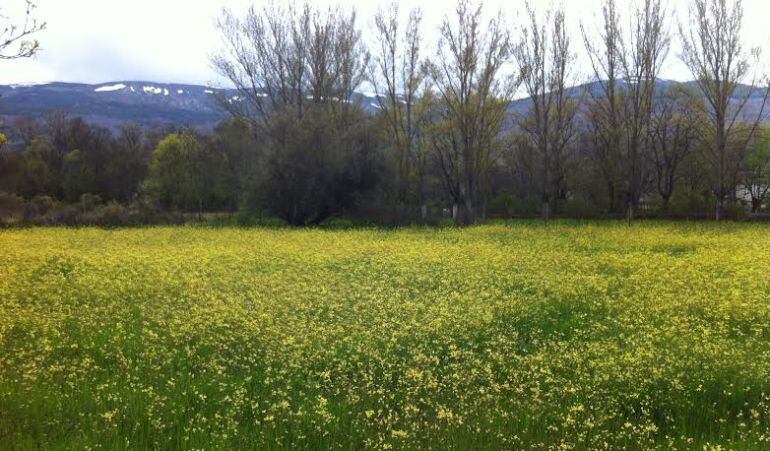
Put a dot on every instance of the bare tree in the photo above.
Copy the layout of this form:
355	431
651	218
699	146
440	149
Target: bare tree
398	78
673	131
544	59
289	59
713	51
605	107
642	59
15	42
15	39
622	112
636	57
296	70
467	75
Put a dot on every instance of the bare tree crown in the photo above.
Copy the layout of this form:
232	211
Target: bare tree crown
15	41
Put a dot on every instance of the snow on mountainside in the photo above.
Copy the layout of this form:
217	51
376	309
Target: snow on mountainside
112	104
115	103
112	88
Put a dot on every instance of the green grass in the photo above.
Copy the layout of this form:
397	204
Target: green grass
522	335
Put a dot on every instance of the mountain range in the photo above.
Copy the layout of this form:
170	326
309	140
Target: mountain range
155	104
113	104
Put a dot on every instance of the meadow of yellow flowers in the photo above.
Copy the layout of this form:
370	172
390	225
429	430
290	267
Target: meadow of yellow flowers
509	336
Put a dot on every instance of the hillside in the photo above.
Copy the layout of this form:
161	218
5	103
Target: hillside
150	104
115	103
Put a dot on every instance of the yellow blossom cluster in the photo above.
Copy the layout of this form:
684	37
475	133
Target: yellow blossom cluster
506	336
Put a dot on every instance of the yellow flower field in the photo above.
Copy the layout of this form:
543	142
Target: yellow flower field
509	336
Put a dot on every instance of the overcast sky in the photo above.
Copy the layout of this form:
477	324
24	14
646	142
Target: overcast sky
98	41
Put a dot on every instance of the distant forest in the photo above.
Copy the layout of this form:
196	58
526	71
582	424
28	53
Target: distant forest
444	142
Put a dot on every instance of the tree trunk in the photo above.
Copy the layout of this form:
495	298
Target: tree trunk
545	211
664	206
756	204
611	194
423	205
468	215
721	143
718	209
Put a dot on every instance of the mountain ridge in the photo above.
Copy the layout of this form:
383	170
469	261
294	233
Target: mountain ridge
115	103
112	104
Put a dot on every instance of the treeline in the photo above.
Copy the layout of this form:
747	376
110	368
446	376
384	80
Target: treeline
448	138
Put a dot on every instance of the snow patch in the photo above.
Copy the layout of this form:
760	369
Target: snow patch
369	94
180	91
209	91
28	85
110	88
152	90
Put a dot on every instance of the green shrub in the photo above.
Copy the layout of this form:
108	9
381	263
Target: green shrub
37	207
509	205
11	208
89	202
337	223
112	214
578	207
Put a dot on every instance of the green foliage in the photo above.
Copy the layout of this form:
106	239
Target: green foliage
578	207
335	223
181	173
11	208
242	164
756	169
320	167
67	157
40	176
89	202
39	206
78	176
759	153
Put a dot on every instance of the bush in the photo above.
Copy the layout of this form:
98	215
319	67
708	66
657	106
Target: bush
691	205
523	207
89	202
735	211
502	205
336	223
247	218
38	207
90	211
68	215
112	214
11	208
578	207
144	211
